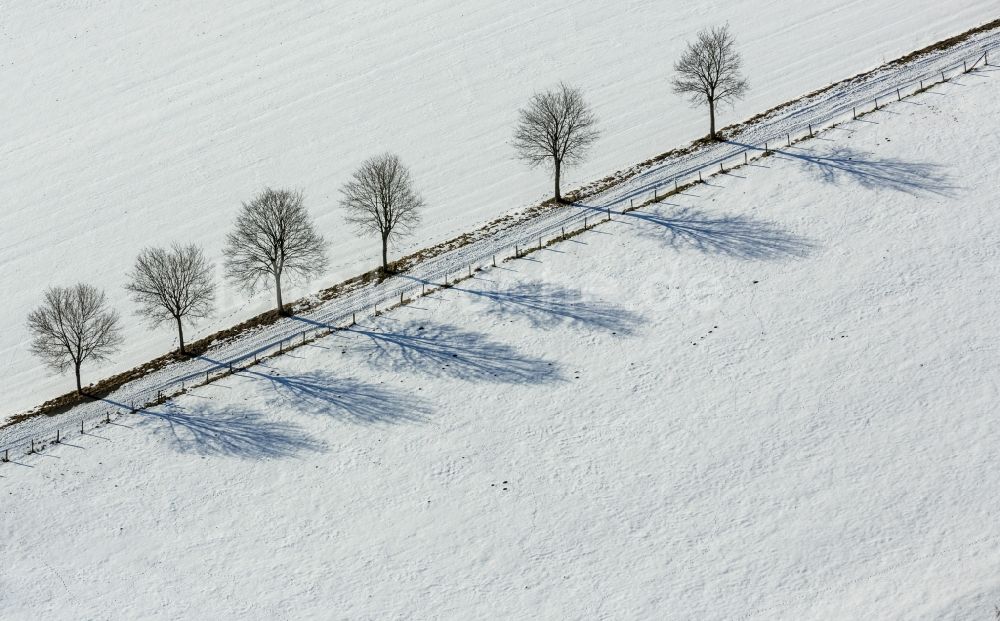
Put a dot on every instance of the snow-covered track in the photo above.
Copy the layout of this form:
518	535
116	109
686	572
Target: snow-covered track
835	104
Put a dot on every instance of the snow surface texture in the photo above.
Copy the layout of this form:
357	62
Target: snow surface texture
127	125
824	108
771	398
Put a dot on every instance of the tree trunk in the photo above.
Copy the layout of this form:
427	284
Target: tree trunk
711	117
277	289
79	387
180	335
558	167
385	254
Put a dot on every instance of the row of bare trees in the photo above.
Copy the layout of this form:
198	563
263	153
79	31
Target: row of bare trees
274	239
557	127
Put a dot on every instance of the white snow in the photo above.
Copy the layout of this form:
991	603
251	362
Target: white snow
771	398
130	124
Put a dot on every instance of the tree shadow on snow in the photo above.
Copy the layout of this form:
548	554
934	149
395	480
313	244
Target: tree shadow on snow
545	305
350	399
443	350
733	236
843	163
347	398
229	431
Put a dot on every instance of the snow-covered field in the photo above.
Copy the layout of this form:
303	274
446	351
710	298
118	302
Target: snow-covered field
771	398
128	124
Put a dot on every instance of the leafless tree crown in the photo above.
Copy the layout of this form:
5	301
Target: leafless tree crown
556	127
709	71
380	199
74	325
173	284
273	237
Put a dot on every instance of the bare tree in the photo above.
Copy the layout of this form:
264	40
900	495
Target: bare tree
556	127
273	238
172	284
380	199
709	71
73	325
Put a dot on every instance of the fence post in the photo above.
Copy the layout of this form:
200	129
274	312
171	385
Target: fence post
81	427
722	169
788	137
494	265
354	319
965	67
564	231
810	130
57	436
765	147
609	214
32	446
943	79
539	242
584	223
517	255
6	454
675	185
921	85
898	96
855	113
206	376
745	162
400	297
304	332
699	177
876	103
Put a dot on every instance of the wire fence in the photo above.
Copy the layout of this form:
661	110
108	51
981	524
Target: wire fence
453	266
